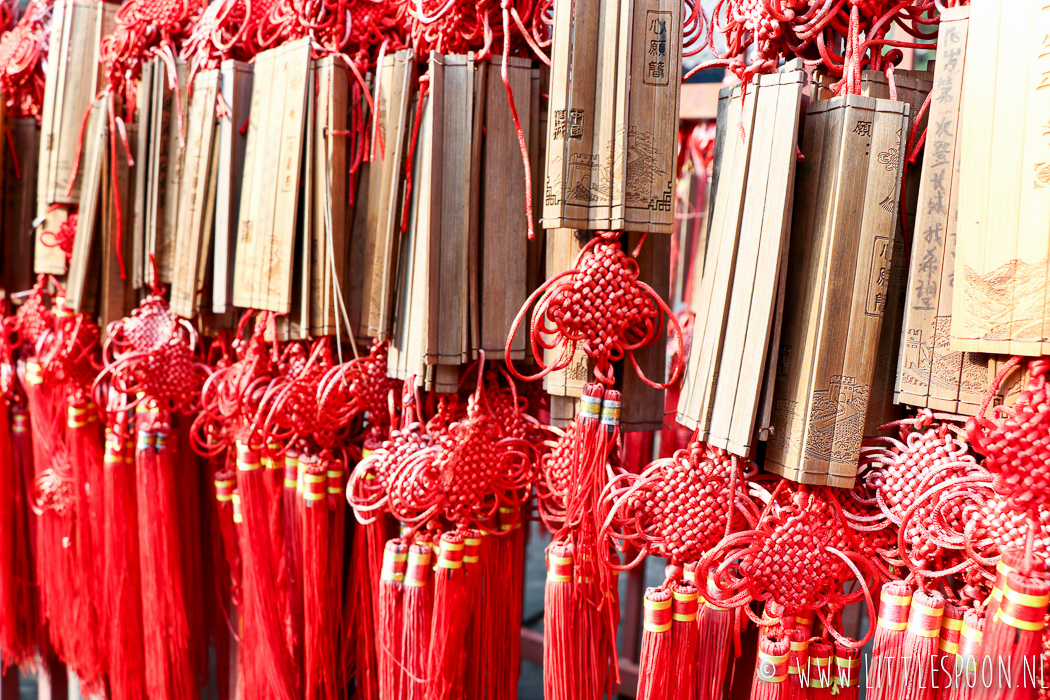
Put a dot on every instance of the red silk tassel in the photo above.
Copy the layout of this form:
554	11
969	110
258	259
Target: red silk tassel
948	649
225	484
267	664
360	646
336	501
19	611
771	672
293	539
966	675
562	659
447	661
818	685
121	588
390	630
506	607
170	672
714	626
684	640
319	657
474	674
918	670
798	663
83	437
56	565
654	664
1006	564
187	473
847	672
1012	643
888	645
418	610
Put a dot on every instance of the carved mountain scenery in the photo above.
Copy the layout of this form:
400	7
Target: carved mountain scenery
1006	302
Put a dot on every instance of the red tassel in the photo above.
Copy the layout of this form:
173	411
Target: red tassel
771	671
225	485
654	664
19	610
918	676
170	672
888	645
966	675
418	610
293	539
85	452
122	591
505	607
818	679
187	472
447	662
798	663
336	570
366	564
267	664
1007	563
847	672
1012	644
714	640
391	617
684	640
319	657
948	648
562	659
474	674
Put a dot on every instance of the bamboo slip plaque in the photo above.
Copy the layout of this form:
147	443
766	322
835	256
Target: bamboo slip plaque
839	267
1003	239
736	297
613	115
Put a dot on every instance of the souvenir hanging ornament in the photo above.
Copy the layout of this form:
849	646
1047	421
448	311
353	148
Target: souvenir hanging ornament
680	508
601	306
927	486
796	560
151	356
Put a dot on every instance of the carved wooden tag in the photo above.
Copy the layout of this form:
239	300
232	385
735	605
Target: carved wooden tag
71	83
1002	245
737	297
840	262
82	286
192	234
613	116
269	204
236	87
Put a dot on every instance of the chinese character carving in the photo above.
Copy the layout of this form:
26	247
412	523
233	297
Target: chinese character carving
862	128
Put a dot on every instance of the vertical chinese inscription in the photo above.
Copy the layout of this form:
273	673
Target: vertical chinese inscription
657	25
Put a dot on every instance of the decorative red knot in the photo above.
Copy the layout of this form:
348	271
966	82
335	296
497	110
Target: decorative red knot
601	306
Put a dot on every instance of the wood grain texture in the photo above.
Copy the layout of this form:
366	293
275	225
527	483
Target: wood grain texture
978	113
189	241
174	136
20	205
929	372
143	103
236	86
384	210
643	406
79	295
503	240
330	195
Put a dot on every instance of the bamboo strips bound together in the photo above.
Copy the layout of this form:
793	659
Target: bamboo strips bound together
1002	248
848	183
610	163
737	297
